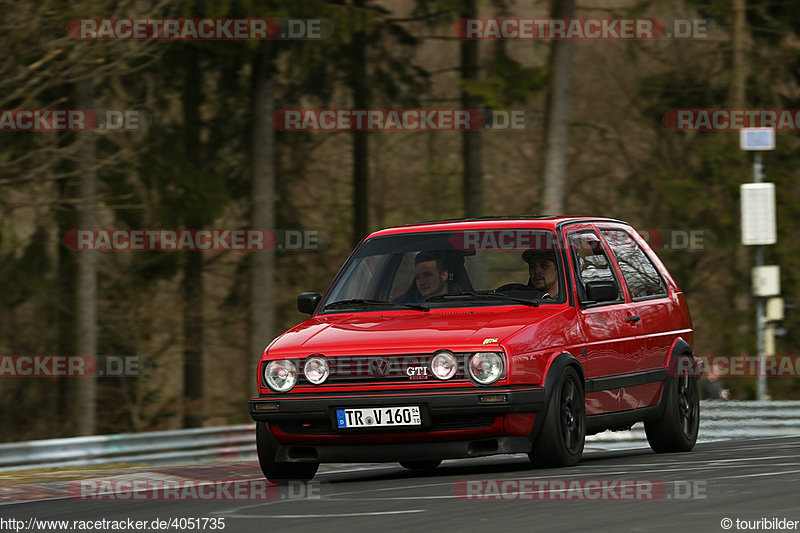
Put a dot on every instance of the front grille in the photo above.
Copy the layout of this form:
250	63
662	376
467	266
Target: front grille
385	369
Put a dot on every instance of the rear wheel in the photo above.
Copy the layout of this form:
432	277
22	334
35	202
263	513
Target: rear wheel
279	472
420	465
676	430
563	433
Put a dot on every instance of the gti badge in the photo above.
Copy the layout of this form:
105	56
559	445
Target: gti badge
417	372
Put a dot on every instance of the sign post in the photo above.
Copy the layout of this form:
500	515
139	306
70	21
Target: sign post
759	228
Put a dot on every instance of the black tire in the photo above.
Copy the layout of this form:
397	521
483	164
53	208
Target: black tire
420	465
563	434
676	430
275	471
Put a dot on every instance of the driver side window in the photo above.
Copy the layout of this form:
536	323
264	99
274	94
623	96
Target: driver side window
591	262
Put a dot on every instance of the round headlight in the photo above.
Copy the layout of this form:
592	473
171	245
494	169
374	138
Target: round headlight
316	369
444	365
280	375
485	368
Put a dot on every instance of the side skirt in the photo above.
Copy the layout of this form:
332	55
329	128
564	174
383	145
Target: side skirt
621	420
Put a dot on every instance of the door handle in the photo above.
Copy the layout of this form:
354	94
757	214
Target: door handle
633	319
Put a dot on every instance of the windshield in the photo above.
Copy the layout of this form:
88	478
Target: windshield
456	268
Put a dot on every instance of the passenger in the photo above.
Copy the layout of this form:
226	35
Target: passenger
543	272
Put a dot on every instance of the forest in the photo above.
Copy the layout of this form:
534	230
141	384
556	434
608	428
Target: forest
196	136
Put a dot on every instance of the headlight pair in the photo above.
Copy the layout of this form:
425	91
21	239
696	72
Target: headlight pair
281	375
484	368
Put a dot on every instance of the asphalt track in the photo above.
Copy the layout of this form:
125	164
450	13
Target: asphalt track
750	479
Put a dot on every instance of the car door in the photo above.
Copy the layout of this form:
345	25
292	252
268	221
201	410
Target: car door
612	344
651	308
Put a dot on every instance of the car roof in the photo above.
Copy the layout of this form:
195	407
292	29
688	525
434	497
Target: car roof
492	223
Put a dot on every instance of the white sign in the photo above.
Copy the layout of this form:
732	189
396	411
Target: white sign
767	280
758	213
774	309
757	138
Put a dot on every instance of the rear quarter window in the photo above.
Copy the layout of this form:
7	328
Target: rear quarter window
641	275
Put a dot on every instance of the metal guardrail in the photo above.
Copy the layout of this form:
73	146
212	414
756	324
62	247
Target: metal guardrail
227	443
718	421
724	420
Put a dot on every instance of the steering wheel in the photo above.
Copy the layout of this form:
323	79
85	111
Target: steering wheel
513	287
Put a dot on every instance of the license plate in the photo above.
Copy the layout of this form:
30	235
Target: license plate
376	417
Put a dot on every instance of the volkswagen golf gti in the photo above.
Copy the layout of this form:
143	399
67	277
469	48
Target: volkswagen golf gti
467	338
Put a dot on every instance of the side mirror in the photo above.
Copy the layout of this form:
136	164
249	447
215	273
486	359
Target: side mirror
307	302
602	291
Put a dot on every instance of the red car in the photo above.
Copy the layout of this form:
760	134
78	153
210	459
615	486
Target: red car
468	338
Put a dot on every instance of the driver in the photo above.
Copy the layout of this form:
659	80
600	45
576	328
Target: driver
543	272
430	274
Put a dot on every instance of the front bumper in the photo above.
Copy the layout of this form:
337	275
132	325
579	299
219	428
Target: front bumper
478	431
274	408
410	451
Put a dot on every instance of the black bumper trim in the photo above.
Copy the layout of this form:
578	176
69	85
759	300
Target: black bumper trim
525	400
412	451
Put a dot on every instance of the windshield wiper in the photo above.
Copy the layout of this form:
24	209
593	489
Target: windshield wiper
366	301
481	294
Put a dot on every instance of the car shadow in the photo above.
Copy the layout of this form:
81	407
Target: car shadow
473	467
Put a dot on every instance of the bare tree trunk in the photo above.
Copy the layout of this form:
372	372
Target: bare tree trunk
737	98
86	301
557	121
358	83
193	267
66	219
193	335
738	85
471	140
262	266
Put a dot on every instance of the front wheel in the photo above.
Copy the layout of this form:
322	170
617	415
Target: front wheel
563	434
676	430
279	472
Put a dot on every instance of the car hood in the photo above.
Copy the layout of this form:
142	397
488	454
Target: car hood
407	332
